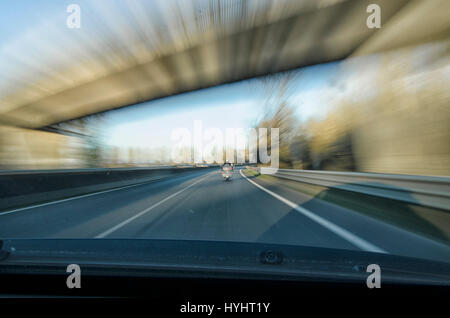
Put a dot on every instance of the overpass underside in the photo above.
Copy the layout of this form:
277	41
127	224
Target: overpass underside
130	52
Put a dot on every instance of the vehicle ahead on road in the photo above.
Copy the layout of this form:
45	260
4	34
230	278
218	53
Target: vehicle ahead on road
227	174
227	171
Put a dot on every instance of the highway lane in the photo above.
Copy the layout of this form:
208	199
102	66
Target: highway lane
199	205
87	216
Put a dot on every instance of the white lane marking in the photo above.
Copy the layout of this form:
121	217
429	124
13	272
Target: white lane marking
346	235
122	224
73	198
76	197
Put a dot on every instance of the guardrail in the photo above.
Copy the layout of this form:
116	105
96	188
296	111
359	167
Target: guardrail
24	187
421	190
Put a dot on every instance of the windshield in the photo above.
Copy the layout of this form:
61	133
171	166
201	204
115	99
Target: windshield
287	123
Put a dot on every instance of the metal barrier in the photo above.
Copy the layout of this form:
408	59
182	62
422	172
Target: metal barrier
421	190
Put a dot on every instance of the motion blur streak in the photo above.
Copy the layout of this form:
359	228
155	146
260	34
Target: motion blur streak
392	115
334	93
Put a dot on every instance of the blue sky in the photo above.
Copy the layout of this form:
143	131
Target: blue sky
236	105
20	16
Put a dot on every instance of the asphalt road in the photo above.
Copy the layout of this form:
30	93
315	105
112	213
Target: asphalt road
199	205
